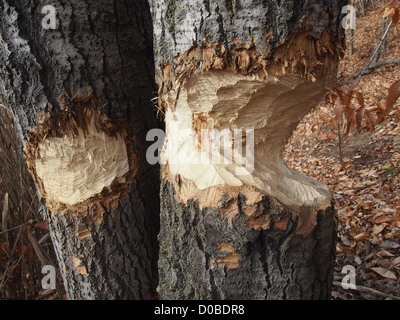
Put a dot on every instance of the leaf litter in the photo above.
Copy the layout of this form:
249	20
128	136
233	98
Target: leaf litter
366	184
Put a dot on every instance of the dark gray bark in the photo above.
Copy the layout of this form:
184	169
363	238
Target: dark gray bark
273	264
178	26
204	252
102	48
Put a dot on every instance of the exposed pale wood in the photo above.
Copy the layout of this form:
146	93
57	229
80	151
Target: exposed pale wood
79	166
221	101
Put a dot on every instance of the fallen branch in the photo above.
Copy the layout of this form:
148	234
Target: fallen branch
370	290
368	186
384	63
380	64
377	183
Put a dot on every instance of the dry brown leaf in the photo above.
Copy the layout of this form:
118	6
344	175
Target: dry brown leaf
6	249
392	9
382	219
41	225
29	254
362	237
393	95
385	253
396	261
385	273
339	113
341	248
379	228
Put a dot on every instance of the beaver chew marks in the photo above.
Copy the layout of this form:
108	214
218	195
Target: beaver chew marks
225	100
80	158
79	165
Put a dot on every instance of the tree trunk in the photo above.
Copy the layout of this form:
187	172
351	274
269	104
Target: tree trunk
235	76
80	96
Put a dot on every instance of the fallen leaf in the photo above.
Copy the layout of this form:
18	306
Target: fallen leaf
341	248
384	253
389	244
29	254
358	260
41	225
393	95
6	249
385	273
361	237
382	218
396	261
346	241
379	228
342	211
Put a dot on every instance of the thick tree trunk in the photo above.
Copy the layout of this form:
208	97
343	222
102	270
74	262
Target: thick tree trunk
205	256
80	95
235	226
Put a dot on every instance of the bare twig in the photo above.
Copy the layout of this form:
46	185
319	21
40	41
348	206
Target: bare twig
4	216
4	213
340	143
36	246
17	227
44	238
366	67
380	64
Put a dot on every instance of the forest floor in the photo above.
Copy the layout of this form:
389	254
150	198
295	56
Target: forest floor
366	184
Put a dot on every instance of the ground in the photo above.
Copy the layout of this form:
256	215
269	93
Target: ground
366	185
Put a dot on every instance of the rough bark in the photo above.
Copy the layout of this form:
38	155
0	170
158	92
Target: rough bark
96	65
261	65
204	256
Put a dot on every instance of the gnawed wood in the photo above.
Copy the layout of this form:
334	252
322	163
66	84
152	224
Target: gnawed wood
225	101
80	158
